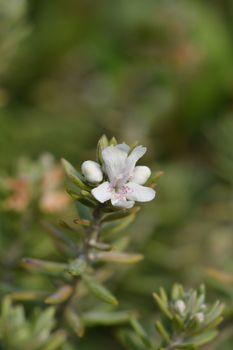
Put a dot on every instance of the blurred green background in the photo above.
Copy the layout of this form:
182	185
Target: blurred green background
160	72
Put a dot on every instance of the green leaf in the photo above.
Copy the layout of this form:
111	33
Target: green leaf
73	175
140	331
191	303
74	321
177	292
62	242
43	266
99	245
45	321
99	290
60	296
83	211
26	295
105	318
131	340
56	341
198	340
113	227
214	312
163	332
119	214
118	257
163	295
163	306
84	200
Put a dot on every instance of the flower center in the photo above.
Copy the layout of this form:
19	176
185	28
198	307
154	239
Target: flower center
120	192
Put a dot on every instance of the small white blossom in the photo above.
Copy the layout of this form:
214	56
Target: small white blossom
122	187
92	171
180	306
200	317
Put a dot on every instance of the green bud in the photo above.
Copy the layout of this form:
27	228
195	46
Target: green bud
77	267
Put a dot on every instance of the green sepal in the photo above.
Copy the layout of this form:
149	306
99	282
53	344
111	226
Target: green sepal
102	143
113	141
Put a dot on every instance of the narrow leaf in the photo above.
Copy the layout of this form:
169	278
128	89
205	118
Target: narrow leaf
162	331
60	296
118	257
99	290
56	340
74	321
105	318
74	175
43	265
163	306
120	214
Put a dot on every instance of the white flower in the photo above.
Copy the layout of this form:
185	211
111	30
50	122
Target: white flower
124	185
200	317
180	306
92	171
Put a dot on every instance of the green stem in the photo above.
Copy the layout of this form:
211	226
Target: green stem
93	231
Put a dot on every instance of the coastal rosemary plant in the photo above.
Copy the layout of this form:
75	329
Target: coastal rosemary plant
105	193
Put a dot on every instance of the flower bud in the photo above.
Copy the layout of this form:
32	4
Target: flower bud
92	171
180	306
141	174
200	317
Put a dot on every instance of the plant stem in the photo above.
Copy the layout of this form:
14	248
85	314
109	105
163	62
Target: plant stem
93	231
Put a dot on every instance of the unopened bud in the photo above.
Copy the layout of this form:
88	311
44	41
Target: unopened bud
141	174
92	171
200	317
180	306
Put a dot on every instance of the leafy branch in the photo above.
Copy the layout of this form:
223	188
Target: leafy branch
88	243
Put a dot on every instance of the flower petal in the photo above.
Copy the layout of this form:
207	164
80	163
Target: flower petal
122	203
123	147
103	192
114	163
132	159
139	193
140	174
